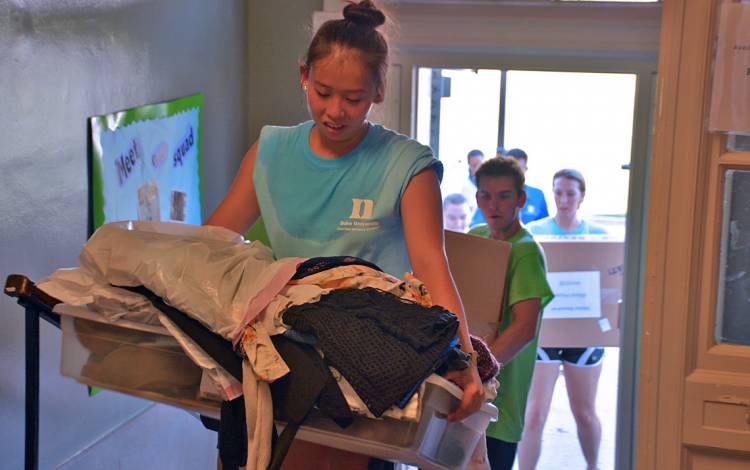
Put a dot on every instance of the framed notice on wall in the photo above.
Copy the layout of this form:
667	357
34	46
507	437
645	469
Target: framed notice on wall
731	81
144	163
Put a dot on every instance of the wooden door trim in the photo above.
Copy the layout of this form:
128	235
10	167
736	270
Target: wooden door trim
678	175
656	235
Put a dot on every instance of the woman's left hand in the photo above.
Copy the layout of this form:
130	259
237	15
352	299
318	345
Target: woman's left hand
421	209
468	380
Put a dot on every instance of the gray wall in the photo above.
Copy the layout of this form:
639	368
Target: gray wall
278	32
61	62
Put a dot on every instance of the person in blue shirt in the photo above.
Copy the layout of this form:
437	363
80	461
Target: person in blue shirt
536	206
474	160
340	185
582	367
569	189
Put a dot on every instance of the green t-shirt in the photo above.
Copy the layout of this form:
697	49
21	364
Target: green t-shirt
526	279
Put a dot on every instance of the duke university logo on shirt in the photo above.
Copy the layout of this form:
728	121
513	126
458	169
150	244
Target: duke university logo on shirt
359	219
362	208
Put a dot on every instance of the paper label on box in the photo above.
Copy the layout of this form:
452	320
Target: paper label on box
577	295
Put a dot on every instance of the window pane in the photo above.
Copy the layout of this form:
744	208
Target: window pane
582	121
468	119
733	309
738	142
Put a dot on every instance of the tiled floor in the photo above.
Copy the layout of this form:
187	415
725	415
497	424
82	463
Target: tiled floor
162	437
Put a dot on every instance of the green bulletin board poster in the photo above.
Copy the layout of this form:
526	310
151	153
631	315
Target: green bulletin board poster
144	163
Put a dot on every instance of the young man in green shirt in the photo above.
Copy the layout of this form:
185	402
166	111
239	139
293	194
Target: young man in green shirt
500	197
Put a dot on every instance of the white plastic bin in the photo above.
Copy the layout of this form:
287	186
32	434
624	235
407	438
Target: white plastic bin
139	363
153	366
431	443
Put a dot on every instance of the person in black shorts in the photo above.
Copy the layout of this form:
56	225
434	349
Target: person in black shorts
581	366
582	357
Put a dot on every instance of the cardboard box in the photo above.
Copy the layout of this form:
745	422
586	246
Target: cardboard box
572	265
479	266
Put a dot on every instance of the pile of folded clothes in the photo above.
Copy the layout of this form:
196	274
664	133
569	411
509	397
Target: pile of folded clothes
334	333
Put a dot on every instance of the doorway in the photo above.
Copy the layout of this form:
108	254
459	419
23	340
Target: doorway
589	121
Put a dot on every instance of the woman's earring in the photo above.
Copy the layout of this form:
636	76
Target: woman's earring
304	87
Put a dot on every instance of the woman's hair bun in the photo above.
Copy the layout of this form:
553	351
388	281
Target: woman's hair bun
364	13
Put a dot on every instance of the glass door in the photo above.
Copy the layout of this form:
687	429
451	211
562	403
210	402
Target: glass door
561	120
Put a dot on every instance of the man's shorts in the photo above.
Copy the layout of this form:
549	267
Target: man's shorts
579	357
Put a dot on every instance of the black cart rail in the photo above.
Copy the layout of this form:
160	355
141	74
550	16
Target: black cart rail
37	304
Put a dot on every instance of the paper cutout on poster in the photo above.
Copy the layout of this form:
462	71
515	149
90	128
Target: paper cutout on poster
730	98
577	295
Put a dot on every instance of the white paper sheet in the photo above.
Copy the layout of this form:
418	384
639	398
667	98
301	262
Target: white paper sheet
577	295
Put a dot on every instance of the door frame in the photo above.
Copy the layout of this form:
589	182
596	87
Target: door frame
637	200
683	368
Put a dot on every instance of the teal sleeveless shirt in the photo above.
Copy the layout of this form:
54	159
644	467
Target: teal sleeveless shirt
349	205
